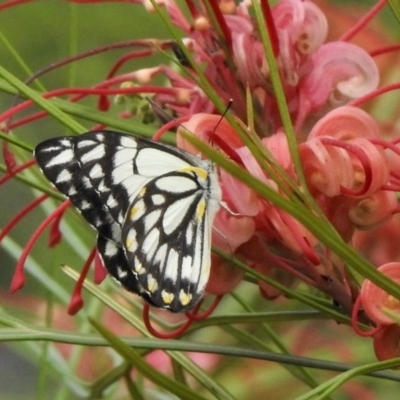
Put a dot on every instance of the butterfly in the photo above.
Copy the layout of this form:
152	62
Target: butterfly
152	205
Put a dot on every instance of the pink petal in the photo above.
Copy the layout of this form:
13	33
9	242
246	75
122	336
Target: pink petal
345	123
375	300
339	72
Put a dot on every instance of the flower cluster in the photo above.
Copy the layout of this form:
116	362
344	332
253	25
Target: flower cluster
350	171
347	168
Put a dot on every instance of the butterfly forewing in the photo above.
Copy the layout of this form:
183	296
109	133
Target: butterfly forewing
59	163
118	166
114	259
152	205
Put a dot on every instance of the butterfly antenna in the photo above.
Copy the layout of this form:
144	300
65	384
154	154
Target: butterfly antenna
159	111
227	108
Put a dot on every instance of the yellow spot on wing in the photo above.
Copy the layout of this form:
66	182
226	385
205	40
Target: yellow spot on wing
184	298
139	267
200	209
134	211
129	242
142	191
151	284
198	171
167	297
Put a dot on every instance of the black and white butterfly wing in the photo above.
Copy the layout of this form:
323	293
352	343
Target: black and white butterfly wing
103	173
60	163
115	166
116	263
166	236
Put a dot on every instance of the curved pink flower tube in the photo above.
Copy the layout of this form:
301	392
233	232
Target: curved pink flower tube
338	73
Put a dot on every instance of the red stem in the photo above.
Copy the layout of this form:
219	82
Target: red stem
371	95
163	335
363	21
222	23
171	124
120	62
354	321
16	170
21	214
269	20
18	279
99	271
385	50
89	91
193	315
76	302
12	3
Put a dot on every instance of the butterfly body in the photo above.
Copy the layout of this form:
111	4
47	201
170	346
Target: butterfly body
152	205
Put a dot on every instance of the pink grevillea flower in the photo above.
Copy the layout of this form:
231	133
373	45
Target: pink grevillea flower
345	162
386	342
314	75
209	127
339	72
224	276
347	169
244	215
301	29
233	224
375	300
298	30
302	23
373	210
374	243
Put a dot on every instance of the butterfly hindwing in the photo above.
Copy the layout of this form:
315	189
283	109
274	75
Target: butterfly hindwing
133	190
166	238
116	263
113	257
